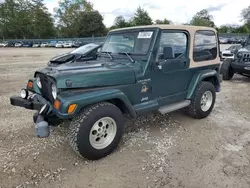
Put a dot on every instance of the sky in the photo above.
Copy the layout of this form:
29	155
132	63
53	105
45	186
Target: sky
178	11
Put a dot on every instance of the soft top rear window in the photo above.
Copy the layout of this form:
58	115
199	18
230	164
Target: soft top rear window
205	46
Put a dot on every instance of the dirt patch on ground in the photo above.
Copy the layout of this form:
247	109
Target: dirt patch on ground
156	151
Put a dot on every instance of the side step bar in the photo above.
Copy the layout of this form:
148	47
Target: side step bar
174	107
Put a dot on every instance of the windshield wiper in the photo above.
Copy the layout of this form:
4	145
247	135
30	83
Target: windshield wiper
130	58
109	54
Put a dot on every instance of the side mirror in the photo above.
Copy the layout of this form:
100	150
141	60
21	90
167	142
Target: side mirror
168	52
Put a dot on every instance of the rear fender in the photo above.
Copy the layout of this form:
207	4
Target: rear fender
206	75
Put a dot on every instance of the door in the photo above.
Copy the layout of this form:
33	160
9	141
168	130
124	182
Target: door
171	75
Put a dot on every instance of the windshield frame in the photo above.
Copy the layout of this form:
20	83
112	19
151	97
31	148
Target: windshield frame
123	31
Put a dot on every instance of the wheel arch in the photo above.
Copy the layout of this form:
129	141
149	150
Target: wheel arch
125	109
211	76
83	100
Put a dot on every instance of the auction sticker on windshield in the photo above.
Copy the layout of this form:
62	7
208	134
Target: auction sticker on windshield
145	35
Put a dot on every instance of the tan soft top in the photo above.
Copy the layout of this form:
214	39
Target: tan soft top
192	30
165	26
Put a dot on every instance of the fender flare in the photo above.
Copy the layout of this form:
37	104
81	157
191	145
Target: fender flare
203	75
83	99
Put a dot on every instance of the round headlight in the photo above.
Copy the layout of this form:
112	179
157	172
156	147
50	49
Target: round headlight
38	82
54	91
24	93
240	55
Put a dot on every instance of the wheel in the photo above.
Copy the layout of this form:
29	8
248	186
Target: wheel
203	101
226	70
97	130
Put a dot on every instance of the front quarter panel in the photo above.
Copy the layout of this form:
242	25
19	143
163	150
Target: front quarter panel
83	99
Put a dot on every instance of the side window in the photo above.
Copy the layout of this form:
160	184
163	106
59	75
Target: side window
205	46
175	40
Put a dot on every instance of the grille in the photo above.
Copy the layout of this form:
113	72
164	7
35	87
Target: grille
227	55
46	87
246	57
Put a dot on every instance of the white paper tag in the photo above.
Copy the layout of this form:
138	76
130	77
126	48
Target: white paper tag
145	35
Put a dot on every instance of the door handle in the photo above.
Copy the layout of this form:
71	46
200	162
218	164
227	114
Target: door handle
184	62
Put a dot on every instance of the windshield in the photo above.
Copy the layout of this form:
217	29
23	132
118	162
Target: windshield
84	49
135	42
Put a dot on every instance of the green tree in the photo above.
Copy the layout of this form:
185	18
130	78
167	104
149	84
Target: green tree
90	23
233	28
141	17
23	18
165	21
202	18
120	22
68	13
42	22
245	14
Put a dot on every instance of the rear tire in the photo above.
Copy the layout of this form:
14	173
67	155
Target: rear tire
97	130
226	70
203	101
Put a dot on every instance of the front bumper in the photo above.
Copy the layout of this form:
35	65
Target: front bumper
241	67
31	105
34	102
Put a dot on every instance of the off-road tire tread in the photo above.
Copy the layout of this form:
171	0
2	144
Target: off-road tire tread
226	70
191	110
77	121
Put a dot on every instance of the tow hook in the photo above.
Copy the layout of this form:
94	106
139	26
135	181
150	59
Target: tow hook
42	127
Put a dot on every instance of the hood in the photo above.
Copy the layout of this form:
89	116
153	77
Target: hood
92	74
245	49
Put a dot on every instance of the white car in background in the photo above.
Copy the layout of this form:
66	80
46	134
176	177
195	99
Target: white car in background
36	45
3	44
59	44
45	44
18	44
68	44
229	52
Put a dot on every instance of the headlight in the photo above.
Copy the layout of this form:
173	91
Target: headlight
239	55
38	82
24	93
54	91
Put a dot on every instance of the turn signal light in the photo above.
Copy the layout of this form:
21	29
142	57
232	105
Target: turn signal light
72	108
57	104
30	84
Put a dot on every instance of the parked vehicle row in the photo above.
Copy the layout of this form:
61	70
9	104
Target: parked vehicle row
232	40
56	44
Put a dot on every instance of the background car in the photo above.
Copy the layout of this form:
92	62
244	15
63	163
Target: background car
223	40
68	44
77	44
18	44
27	44
52	44
36	45
44	44
59	44
229	52
3	44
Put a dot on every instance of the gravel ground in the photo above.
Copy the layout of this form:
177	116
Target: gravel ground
169	150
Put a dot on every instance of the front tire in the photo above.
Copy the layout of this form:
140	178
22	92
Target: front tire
203	102
97	130
226	70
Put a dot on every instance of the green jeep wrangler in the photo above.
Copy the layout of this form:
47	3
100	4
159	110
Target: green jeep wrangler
138	70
